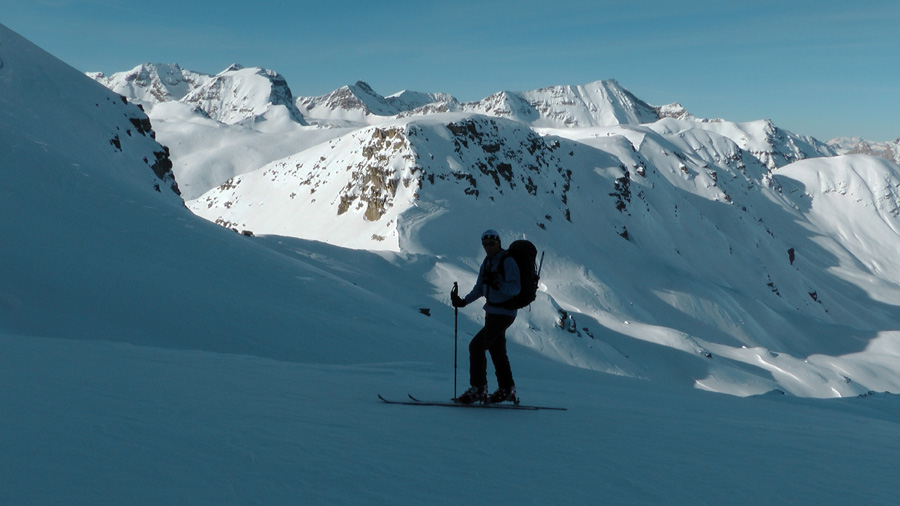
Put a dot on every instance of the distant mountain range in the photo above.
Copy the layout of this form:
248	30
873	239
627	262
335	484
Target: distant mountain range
855	145
260	99
237	94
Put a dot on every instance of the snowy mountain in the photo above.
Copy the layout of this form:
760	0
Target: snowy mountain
238	94
362	183
209	153
855	145
151	84
217	126
150	356
235	95
359	104
602	103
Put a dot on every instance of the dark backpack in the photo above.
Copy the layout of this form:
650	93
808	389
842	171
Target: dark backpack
525	255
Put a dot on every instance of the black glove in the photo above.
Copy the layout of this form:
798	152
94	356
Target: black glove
456	300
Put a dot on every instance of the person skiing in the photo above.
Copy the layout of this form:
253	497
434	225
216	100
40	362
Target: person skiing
498	281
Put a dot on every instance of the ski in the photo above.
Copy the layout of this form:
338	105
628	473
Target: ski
416	402
516	405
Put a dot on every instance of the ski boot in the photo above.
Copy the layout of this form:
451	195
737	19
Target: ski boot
472	395
503	395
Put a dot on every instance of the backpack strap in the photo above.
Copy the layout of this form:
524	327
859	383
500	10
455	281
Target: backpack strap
502	270
504	254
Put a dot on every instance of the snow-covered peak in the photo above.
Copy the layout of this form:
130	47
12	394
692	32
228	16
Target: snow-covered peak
601	103
345	104
149	84
409	100
234	95
674	110
854	145
237	94
360	104
773	146
361	185
505	104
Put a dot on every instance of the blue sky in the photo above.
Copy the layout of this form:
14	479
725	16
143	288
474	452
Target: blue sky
823	68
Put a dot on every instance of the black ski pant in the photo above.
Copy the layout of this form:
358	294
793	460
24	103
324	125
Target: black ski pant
491	338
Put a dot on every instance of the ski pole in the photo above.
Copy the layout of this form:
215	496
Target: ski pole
455	337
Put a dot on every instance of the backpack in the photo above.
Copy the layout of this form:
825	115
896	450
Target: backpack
525	255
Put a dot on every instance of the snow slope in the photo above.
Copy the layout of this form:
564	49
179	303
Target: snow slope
109	423
206	153
150	356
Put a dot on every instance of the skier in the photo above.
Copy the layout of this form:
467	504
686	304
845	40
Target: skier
498	281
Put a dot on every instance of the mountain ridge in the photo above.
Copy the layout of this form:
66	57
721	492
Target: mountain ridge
854	145
595	104
358	104
601	103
